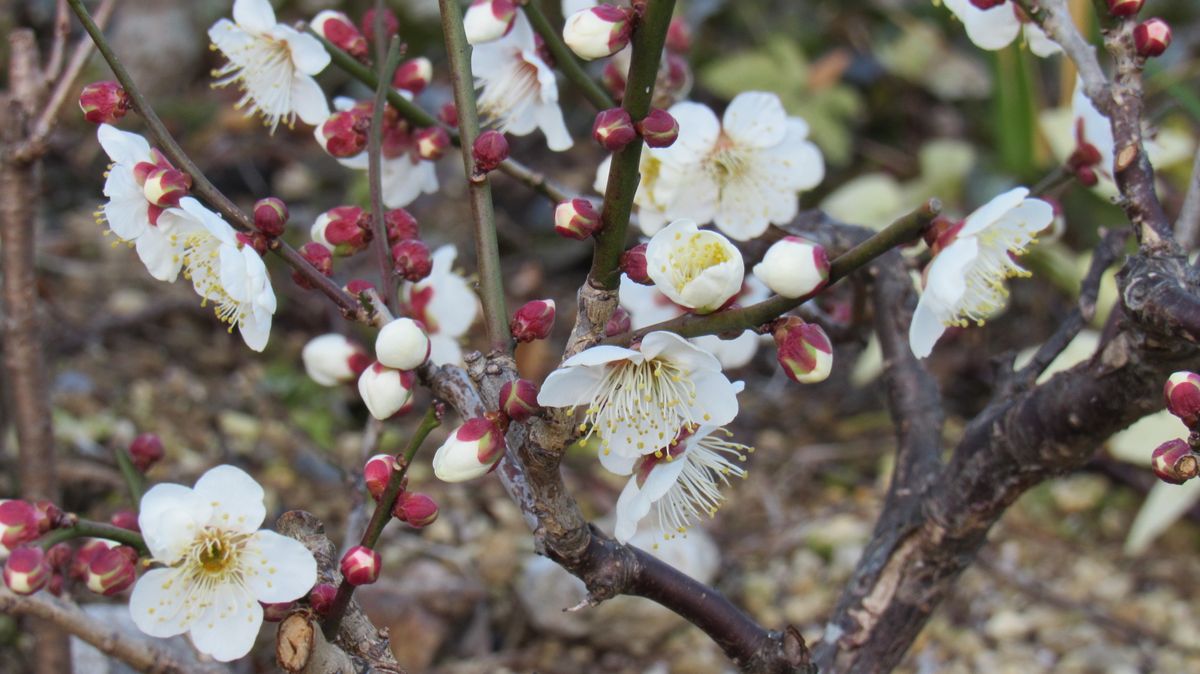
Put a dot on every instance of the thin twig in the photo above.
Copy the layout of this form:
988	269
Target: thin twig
566	60
383	257
58	48
1187	225
134	481
1054	17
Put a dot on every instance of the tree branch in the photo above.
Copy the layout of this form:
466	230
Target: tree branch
1187	225
383	255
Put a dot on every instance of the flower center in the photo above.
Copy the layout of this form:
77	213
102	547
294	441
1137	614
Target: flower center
215	554
649	400
728	161
696	492
689	260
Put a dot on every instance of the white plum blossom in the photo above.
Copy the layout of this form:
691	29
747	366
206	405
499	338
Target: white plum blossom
636	399
225	271
403	174
272	64
445	304
330	359
216	565
697	269
682	482
965	281
519	92
996	27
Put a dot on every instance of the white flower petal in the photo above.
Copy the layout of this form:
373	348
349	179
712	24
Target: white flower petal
308	54
123	147
716	398
993	211
755	119
663	476
279	568
158	604
617	463
235	498
254	15
308	99
569	387
168	515
675	348
699	129
162	257
925	330
229	625
632	506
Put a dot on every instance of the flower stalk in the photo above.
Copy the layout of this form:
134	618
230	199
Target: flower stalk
90	529
130	473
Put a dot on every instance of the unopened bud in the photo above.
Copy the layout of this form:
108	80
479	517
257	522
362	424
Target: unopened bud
402	344
412	259
633	263
793	267
1152	37
613	129
1125	7
86	553
431	143
59	556
1182	393
679	36
576	219
344	230
620	323
276	611
418	510
533	321
805	353
490	150
341	31
1175	462
50	516
597	32
333	359
18	523
987	4
401	225
103	102
125	519
391	25
26	570
112	571
319	257
448	114
321	597
413	75
164	187
470	452
344	133
386	391
377	472
270	216
361	565
613	79
658	128
1086	176
518	399
488	20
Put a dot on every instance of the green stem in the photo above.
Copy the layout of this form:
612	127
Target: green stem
201	186
648	39
413	113
479	189
383	255
566	60
89	529
133	477
382	514
907	229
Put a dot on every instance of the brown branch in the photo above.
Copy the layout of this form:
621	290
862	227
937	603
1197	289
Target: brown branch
1187	225
387	61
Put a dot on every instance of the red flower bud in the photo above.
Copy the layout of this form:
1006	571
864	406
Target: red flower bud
103	102
633	263
50	516
341	31
620	323
533	321
518	399
391	25
345	230
413	75
431	142
19	523
59	556
576	219
412	259
111	571
471	451
418	510
1175	462
805	353
449	115
344	133
1182	393
361	565
679	36
86	553
270	216
1152	37
1125	7
401	225
613	129
320	598
489	150
378	472
26	570
126	519
658	128
319	257
164	187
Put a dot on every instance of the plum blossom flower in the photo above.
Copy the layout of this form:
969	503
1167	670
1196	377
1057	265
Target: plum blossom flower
272	64
445	304
519	92
637	399
965	281
225	271
682	481
995	27
216	563
404	175
697	269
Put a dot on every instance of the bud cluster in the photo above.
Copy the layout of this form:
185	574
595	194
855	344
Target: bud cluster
418	510
1177	461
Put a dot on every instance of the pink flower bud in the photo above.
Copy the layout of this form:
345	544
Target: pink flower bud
321	597
1182	393
26	570
805	353
59	556
126	519
344	133
164	187
489	150
257	241
620	323
391	25
361	565
277	611
333	359
533	321
386	391
377	472
19	522
1152	37
1175	462
50	516
488	20
448	115
111	571
793	267
270	216
576	219
319	257
987	4
418	510
613	129
103	102
344	230
614	80
597	32
1125	7
470	452
413	75
402	344
679	36
633	263
518	399
86	553
341	31
412	260
401	225
431	143
658	128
